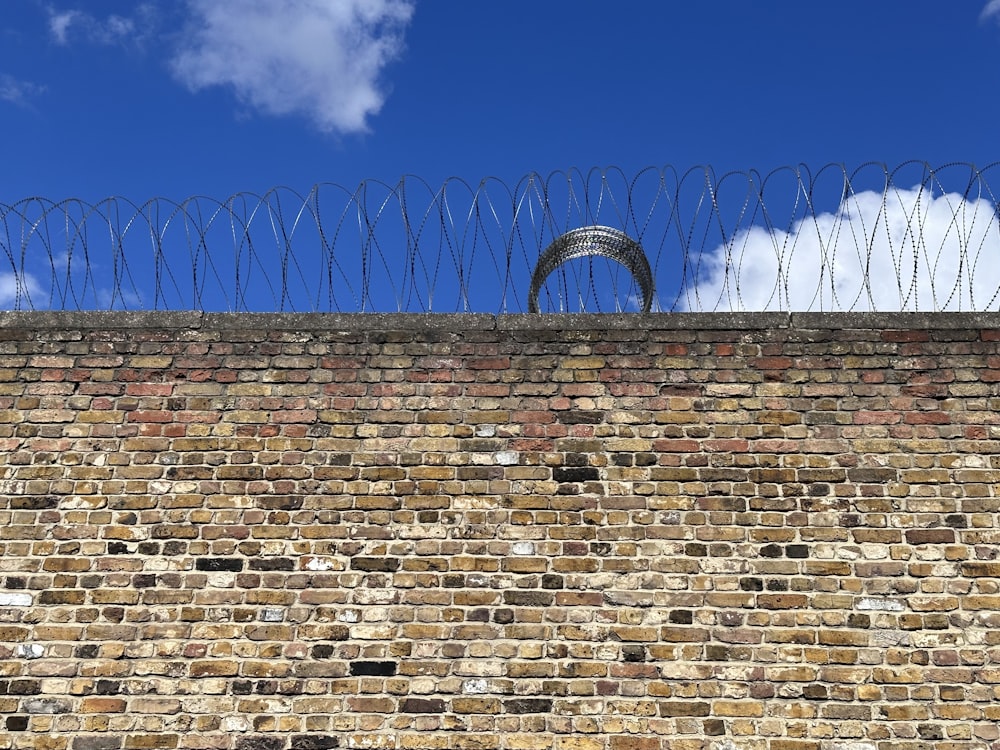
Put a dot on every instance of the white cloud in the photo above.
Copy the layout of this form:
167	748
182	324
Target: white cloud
901	250
319	58
67	25
59	24
17	92
20	291
992	10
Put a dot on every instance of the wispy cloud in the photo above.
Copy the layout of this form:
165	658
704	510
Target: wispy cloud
66	26
19	291
319	58
16	91
991	11
902	250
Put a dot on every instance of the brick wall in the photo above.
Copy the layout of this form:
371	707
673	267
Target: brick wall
695	532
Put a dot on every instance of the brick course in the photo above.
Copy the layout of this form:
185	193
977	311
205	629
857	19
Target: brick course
635	532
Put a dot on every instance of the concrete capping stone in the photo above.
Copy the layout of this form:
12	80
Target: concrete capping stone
458	322
641	321
451	322
99	319
895	320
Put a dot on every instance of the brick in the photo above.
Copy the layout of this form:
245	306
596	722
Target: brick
634	743
475	705
528	706
422	706
323	533
684	708
373	668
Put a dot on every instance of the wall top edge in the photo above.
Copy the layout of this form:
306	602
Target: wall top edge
456	322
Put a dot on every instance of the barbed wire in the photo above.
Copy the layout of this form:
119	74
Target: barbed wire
911	237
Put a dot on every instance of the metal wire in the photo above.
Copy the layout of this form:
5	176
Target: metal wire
911	237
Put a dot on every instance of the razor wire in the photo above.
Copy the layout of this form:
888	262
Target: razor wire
912	237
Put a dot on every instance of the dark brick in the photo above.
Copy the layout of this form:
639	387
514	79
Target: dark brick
930	536
956	521
575	473
634	653
930	731
517	598
528	706
117	548
87	651
313	742
375	564
65	596
373	668
278	502
108	687
17	723
273	563
174	548
797	550
241	687
97	742
217	564
503	616
34	502
552	581
24	687
814	692
579	416
872	476
684	708
714	727
681	616
717	653
262	742
422	706
266	687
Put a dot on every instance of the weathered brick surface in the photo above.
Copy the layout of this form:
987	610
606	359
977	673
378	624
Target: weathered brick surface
706	532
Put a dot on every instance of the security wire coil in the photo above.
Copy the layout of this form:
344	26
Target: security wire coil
912	237
584	242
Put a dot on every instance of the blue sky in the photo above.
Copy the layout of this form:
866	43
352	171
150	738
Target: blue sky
182	97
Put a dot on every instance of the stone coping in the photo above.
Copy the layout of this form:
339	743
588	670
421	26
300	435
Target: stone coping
454	322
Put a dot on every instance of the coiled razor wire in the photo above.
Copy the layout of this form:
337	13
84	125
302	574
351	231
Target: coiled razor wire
911	237
588	242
